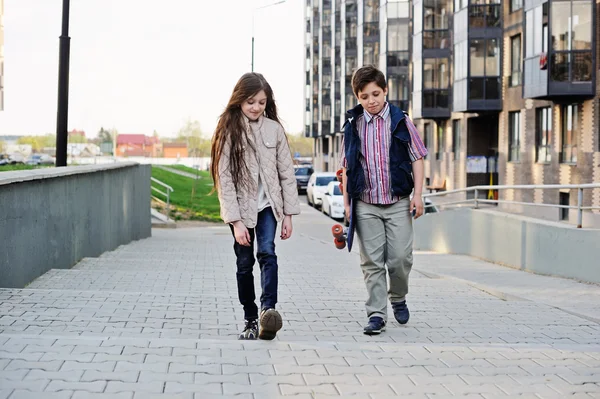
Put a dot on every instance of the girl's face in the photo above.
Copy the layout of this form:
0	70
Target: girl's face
254	107
372	98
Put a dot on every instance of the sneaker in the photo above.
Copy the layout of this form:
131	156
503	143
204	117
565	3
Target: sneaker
401	312
270	323
250	330
375	326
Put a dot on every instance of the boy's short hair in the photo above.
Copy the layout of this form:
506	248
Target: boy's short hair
365	75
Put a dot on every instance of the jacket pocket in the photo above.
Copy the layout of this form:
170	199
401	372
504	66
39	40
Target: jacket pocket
269	140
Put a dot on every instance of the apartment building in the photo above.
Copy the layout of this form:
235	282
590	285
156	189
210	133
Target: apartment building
1	55
502	91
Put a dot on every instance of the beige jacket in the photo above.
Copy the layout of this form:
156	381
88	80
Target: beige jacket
274	163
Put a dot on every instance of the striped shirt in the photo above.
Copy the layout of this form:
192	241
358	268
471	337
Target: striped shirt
375	139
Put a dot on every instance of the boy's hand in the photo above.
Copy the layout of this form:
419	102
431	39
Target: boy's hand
286	227
347	210
416	204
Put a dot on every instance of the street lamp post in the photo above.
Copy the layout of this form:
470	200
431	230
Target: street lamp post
62	113
253	11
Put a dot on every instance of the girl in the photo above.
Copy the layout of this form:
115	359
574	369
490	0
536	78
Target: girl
254	175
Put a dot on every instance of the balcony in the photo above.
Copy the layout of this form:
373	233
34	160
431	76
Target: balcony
325	127
431	85
398	59
431	46
559	43
371	31
351	47
478	34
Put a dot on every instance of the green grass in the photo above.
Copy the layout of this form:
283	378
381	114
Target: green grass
10	168
184	168
199	206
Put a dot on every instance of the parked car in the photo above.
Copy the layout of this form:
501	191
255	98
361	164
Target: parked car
16	158
302	175
40	159
4	159
317	186
333	201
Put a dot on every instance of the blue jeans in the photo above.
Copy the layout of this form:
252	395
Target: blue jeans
267	260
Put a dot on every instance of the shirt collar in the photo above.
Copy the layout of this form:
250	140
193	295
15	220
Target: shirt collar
383	114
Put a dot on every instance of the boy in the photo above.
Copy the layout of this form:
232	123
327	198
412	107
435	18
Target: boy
382	160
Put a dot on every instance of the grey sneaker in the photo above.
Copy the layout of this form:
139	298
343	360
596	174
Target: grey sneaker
250	330
270	323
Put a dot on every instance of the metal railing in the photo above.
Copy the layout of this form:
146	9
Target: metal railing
166	193
477	189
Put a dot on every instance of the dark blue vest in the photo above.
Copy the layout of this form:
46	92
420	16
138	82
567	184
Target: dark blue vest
400	164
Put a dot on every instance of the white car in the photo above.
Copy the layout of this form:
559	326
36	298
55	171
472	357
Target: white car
333	201
317	185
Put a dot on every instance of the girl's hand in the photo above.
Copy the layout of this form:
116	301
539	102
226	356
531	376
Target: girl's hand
242	235
286	227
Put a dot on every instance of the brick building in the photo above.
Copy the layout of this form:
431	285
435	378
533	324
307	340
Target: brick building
502	91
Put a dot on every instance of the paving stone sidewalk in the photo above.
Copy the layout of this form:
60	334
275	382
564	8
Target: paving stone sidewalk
159	319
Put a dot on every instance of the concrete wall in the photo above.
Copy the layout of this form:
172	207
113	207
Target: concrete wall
528	244
52	218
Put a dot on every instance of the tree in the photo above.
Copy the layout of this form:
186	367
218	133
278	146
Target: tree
49	141
36	142
300	144
191	134
104	136
77	139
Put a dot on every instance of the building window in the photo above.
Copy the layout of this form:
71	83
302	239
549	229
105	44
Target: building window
456	138
371	11
543	134
436	76
439	144
536	31
371	53
571	59
515	61
570	133
398	9
398	35
427	135
436	16
514	136
484	82
516	5
485	14
398	59
398	87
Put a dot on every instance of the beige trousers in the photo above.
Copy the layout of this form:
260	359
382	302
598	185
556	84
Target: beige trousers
385	234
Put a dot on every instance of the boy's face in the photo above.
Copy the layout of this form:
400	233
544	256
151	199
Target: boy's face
372	98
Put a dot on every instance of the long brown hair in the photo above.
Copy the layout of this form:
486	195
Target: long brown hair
232	127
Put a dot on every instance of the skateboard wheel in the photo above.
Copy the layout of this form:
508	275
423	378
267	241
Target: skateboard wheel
339	174
337	230
339	243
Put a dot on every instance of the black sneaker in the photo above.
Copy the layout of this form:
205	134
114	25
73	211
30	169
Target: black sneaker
375	326
250	330
270	323
401	312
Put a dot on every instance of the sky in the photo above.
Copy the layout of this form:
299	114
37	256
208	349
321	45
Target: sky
144	65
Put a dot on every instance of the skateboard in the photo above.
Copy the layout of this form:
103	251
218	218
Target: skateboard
342	236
